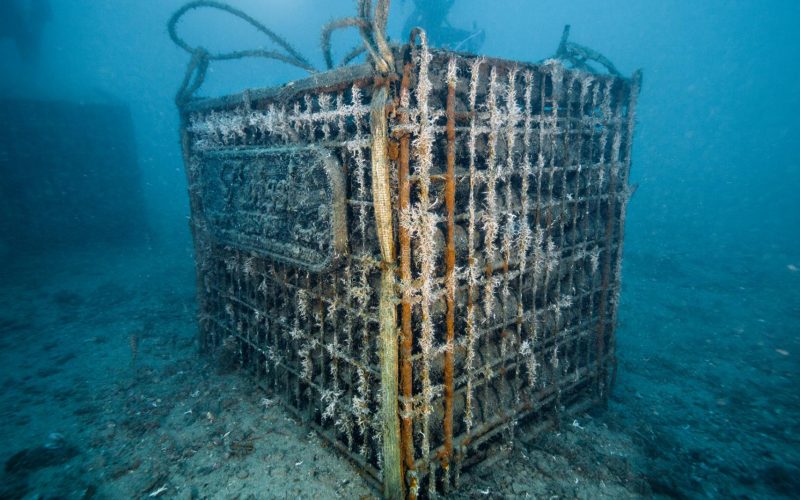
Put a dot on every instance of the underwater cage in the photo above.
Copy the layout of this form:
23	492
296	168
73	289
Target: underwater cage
417	254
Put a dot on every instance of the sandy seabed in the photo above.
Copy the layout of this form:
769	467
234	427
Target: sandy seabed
105	395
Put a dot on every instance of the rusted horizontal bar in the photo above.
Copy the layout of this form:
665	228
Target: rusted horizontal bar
372	371
564	127
510	361
560	124
592	167
513	273
360	203
478	456
341	78
483	432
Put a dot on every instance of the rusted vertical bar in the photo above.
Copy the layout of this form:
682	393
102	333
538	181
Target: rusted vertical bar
568	81
323	373
555	72
473	268
450	264
406	335
584	83
490	226
611	209
313	310
537	214
636	82
424	228
525	234
590	197
601	326
382	203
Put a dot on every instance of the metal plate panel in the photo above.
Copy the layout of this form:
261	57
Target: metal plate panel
282	203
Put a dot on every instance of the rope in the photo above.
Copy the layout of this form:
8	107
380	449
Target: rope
371	27
373	32
337	24
578	55
198	65
293	56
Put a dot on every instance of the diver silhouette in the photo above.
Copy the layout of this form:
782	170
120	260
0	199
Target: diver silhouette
431	15
24	23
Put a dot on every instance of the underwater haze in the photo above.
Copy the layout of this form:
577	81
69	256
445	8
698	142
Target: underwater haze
105	393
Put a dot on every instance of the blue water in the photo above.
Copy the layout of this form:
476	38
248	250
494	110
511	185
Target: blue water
706	402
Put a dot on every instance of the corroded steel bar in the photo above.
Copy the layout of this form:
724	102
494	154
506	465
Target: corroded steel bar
450	263
606	280
542	397
633	97
572	334
558	366
406	335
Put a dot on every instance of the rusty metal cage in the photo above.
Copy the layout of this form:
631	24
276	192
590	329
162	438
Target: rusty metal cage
507	184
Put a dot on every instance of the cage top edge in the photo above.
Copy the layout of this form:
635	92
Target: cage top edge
349	75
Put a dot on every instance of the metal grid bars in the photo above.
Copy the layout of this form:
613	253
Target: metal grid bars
306	335
508	191
511	215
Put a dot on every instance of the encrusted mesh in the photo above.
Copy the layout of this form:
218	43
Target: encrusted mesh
510	187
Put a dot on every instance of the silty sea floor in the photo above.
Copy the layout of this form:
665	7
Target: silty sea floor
105	394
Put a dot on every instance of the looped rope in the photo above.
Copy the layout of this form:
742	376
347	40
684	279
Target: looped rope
373	32
578	55
371	27
293	57
196	71
197	68
418	33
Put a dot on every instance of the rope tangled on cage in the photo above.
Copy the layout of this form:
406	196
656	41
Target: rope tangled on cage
371	24
578	55
372	28
373	32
